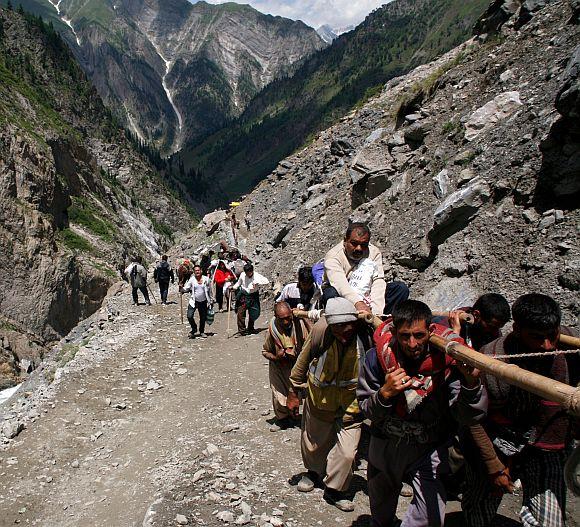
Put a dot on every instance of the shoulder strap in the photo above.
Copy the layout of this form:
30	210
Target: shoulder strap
321	338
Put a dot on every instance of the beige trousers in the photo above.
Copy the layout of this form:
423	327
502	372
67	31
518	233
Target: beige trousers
279	373
329	448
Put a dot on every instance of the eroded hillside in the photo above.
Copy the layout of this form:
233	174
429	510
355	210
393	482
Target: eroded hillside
76	199
466	170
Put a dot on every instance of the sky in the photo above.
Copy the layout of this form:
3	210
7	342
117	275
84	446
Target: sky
336	13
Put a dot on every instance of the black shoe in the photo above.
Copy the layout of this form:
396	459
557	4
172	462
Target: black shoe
338	499
281	424
191	335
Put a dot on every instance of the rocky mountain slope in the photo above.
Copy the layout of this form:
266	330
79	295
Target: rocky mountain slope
287	113
466	170
76	200
176	71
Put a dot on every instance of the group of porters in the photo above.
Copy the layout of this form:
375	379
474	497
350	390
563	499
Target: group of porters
452	405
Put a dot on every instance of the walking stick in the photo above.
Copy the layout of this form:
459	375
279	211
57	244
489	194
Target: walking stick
181	306
229	305
151	291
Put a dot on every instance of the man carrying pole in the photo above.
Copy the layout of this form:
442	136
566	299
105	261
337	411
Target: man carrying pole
327	368
524	436
414	395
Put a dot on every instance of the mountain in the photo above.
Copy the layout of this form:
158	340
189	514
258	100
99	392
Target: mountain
326	33
176	71
77	199
288	112
467	171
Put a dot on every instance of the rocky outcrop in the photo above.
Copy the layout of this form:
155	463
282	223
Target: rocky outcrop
559	182
76	200
454	208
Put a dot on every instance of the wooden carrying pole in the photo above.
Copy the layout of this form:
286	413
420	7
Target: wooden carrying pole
569	341
549	389
558	392
463	316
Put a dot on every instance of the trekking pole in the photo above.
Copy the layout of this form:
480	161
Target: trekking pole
151	291
229	306
181	305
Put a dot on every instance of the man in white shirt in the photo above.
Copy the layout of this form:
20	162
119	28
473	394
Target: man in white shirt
248	298
303	294
201	300
354	269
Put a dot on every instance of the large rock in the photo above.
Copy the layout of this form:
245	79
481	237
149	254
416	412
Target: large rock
560	173
370	173
499	108
495	16
212	220
455	213
528	9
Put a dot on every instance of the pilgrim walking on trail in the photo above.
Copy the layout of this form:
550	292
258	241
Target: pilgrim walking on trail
163	274
138	279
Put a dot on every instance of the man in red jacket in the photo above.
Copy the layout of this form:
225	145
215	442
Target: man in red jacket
414	395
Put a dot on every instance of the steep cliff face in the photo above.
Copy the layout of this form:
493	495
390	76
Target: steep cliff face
466	170
75	199
176	71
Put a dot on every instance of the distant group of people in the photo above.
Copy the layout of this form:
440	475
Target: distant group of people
226	279
435	423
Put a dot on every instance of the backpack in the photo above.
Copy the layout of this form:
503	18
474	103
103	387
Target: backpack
136	278
163	272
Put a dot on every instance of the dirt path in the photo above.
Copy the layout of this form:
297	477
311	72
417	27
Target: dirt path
145	425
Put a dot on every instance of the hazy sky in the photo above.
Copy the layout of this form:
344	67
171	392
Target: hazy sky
336	13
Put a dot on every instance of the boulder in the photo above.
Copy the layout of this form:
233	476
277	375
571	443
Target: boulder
415	134
495	16
341	148
212	220
280	235
441	184
499	108
369	187
455	213
559	180
528	9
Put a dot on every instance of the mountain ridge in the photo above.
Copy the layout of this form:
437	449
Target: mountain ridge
77	200
289	111
175	71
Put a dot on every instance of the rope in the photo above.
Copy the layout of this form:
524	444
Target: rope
541	354
451	344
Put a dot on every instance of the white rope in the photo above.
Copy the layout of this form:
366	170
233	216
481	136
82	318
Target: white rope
541	354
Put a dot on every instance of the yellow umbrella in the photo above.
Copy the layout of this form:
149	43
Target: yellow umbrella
234	203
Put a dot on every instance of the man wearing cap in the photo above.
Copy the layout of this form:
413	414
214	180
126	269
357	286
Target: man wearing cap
327	369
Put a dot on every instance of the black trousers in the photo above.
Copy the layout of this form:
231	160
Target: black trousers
202	308
219	295
143	291
163	290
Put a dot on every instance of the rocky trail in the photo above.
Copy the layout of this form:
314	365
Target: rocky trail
145	427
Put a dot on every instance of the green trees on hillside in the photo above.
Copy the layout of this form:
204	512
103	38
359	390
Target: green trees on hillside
390	42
